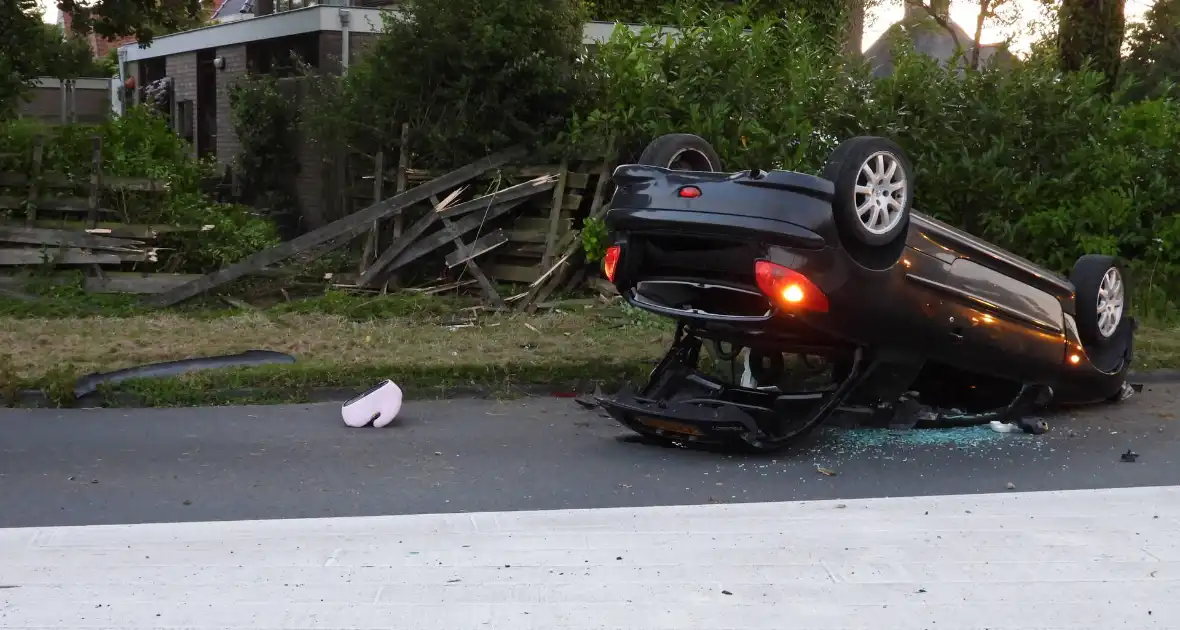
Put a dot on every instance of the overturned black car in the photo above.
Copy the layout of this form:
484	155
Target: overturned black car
885	311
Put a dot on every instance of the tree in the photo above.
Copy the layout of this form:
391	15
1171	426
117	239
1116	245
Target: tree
1092	30
33	48
470	77
143	19
22	28
1154	44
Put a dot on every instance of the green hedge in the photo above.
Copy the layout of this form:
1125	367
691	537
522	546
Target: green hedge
1042	163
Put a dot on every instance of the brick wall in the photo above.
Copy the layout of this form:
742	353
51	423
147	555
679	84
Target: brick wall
331	49
227	141
183	70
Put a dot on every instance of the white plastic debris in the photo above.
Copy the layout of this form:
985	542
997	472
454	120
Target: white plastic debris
1004	427
377	407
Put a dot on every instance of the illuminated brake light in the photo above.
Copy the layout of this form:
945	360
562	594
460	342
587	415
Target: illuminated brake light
789	288
690	192
610	262
1075	359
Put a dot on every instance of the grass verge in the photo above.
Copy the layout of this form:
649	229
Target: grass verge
430	346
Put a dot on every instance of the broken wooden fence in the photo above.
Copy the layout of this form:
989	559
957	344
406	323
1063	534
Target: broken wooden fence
46	220
342	231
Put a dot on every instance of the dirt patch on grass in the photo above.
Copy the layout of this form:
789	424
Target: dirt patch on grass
99	344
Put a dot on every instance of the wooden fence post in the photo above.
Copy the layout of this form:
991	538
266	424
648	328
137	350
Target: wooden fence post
35	180
403	163
378	194
95	181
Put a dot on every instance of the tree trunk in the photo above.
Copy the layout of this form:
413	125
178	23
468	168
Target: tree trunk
1092	29
984	9
854	27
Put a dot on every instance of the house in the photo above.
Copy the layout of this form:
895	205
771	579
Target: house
933	39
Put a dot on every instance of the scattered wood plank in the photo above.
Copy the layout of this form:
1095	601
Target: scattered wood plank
64	238
524	274
526	236
438	239
442	288
512	193
11	257
135	282
461	248
346	227
375	275
481	246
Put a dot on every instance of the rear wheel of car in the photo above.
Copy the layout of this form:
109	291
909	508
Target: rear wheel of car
874	190
1102	300
681	152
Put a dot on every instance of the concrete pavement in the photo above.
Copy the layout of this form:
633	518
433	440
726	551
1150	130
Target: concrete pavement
1096	559
81	467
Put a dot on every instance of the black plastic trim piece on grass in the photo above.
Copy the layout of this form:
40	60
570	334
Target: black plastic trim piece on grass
90	383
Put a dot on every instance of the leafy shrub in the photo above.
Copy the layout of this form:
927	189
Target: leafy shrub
764	91
470	78
266	119
140	144
1043	163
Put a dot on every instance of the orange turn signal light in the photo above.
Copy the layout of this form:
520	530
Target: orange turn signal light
789	288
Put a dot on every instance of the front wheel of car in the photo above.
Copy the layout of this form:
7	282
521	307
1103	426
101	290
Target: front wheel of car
1102	300
874	185
681	152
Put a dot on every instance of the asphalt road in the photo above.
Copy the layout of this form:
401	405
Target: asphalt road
82	467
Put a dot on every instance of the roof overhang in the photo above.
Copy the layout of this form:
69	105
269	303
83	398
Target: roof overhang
295	22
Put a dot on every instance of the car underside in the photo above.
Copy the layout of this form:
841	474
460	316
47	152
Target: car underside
798	297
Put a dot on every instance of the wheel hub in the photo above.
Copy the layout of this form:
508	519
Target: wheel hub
1110	302
880	189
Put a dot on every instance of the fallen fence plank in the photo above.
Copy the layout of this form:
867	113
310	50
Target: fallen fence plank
58	180
56	204
343	229
512	193
36	256
132	231
440	238
481	246
63	238
136	283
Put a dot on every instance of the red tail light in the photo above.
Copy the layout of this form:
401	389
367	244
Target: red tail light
610	262
789	288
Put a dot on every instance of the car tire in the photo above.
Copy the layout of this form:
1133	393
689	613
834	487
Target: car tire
885	192
681	152
1101	300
